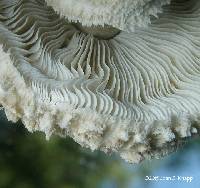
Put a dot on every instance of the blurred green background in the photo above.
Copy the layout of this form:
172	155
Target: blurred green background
29	161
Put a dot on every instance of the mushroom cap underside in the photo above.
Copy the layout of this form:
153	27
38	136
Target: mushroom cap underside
135	94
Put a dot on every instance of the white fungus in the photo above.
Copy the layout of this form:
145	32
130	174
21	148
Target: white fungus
122	14
135	93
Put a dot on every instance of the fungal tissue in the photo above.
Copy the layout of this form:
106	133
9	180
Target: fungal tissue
116	76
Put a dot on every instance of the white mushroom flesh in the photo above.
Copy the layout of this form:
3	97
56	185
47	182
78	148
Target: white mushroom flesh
122	14
133	94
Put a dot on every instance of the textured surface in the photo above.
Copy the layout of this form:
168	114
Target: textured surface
125	15
134	94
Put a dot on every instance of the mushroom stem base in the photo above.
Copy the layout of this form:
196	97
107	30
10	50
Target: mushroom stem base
105	33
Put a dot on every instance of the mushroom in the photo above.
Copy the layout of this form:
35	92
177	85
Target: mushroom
118	76
124	15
